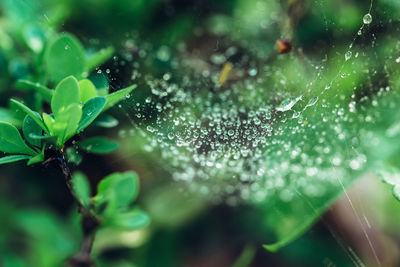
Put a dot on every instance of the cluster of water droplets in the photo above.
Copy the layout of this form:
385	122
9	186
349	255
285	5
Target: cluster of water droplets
244	140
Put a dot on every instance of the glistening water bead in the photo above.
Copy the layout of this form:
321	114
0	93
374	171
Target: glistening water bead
288	103
348	55
367	19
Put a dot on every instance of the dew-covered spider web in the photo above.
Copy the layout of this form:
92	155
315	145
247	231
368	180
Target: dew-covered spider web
237	121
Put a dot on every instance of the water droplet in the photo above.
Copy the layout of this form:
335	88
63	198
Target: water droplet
253	72
163	53
312	101
367	19
150	129
296	114
171	136
288	103
359	32
166	76
348	55
328	86
231	132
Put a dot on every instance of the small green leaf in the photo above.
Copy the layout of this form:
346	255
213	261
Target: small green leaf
99	58
99	145
117	96
120	189
13	158
105	121
28	85
126	188
91	110
73	156
36	159
87	90
64	56
34	115
65	94
11	141
7	116
66	123
49	122
131	220
81	188
31	127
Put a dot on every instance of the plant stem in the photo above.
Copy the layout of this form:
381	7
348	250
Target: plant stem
89	222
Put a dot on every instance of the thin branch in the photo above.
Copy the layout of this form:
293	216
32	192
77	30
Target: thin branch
89	222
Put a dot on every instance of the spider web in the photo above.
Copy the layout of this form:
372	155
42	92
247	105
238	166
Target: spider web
278	126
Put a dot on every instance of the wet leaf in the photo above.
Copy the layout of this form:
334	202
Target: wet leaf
7	116
91	109
11	141
87	90
64	56
65	94
30	127
33	114
28	86
117	96
66	123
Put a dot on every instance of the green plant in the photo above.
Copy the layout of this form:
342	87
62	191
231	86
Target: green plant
74	105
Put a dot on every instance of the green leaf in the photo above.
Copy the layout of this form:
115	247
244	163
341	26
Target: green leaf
131	220
66	123
63	57
65	94
87	90
99	58
99	145
45	92
91	110
7	116
36	159
105	121
81	188
11	141
13	158
33	114
119	189
42	137
30	127
73	156
49	122
117	96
